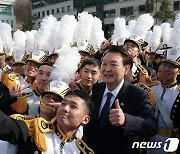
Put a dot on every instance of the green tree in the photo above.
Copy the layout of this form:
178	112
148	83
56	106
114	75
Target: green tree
164	13
29	22
149	6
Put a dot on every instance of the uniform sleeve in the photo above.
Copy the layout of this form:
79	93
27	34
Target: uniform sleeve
13	131
145	123
6	100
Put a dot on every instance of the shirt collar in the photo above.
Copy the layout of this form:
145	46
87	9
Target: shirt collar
115	91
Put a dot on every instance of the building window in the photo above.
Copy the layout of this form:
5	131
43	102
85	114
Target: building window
109	13
52	11
47	12
5	10
43	14
57	10
68	8
63	9
142	9
129	10
39	15
176	5
123	11
126	11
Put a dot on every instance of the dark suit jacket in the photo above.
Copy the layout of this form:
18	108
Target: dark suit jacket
140	121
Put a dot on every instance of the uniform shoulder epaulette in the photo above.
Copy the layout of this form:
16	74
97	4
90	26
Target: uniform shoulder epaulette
37	128
24	95
7	71
144	87
82	146
149	91
141	68
21	117
6	68
153	83
13	77
45	126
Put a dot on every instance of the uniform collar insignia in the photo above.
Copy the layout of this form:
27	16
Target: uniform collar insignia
63	136
84	89
169	86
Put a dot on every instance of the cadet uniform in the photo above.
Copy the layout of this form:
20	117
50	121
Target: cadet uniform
139	73
36	135
80	87
167	107
28	102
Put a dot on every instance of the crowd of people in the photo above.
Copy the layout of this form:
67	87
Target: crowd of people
68	90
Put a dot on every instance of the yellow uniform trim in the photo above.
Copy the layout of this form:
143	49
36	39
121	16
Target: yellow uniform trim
82	146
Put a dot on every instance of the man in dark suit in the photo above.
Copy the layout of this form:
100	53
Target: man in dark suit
129	116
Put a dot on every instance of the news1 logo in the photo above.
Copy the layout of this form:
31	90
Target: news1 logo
170	145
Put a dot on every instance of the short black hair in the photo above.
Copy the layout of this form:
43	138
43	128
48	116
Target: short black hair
85	97
46	63
127	59
90	61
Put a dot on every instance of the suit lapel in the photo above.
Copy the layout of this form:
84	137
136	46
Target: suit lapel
97	101
121	98
120	95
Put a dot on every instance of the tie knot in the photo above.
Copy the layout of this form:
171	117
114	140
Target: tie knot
109	95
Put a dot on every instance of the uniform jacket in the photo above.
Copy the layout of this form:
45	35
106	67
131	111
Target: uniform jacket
36	135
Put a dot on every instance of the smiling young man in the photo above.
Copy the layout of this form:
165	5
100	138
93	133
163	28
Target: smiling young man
167	96
89	74
138	72
28	101
122	112
47	138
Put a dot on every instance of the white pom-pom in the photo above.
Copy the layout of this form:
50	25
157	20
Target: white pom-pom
19	39
120	31
46	33
143	24
66	65
166	32
83	29
97	34
155	38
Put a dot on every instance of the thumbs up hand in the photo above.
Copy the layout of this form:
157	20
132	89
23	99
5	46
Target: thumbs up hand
116	116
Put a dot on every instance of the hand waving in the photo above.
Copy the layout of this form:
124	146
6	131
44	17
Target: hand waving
16	90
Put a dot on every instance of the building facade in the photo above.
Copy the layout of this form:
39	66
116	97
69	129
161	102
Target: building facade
7	14
106	10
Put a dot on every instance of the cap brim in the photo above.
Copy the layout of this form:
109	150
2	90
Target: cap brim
129	40
172	62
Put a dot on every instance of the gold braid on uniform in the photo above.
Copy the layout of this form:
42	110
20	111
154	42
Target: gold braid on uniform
63	136
143	74
84	89
82	146
169	85
21	117
36	130
149	91
20	106
45	106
